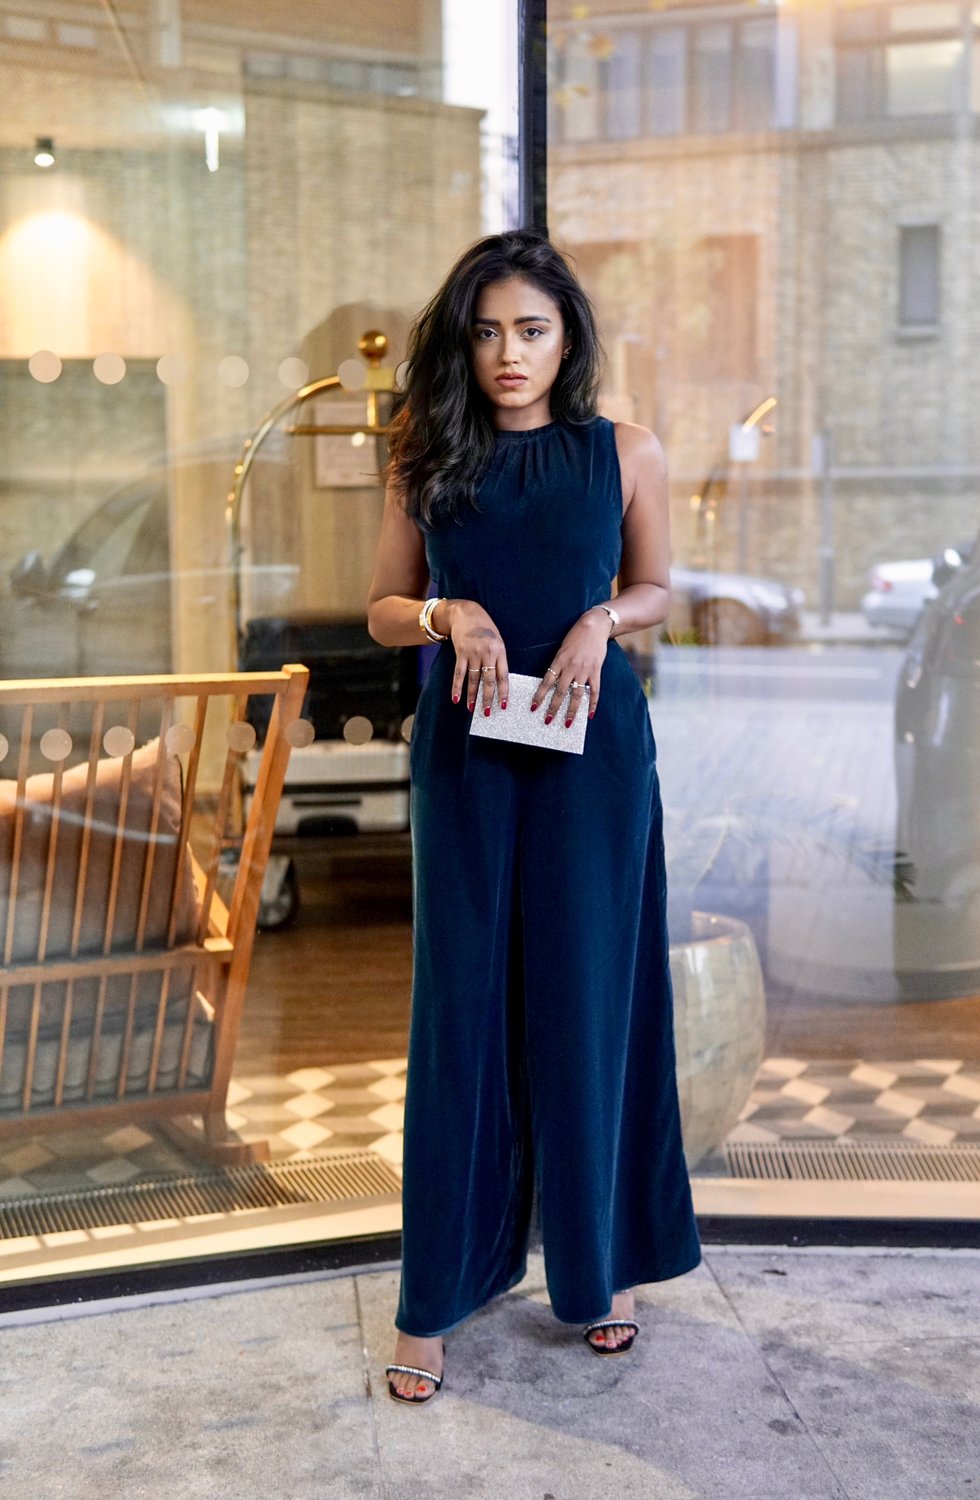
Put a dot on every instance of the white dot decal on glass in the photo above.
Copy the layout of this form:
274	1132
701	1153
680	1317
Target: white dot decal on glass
4	746
241	737
179	739
118	741
300	733
171	369
352	374
358	730
56	745
293	373
408	725
109	368
44	366
401	374
233	370
358	439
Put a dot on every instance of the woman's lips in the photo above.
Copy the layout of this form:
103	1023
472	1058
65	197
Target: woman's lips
511	379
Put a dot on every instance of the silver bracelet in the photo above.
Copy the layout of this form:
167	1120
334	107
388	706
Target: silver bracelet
612	613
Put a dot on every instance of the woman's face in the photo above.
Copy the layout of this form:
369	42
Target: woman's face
517	331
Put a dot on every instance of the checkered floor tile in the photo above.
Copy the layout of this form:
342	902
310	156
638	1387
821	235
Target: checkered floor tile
930	1101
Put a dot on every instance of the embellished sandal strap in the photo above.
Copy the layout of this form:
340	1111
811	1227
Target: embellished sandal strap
613	1323
414	1370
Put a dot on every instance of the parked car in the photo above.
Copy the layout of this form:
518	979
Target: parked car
102	605
937	776
899	590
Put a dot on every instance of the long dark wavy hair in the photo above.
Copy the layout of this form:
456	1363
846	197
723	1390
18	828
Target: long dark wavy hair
441	436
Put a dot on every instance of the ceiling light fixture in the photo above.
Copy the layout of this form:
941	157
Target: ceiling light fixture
44	151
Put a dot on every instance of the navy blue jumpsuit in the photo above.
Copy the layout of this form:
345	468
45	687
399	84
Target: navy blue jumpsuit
541	1044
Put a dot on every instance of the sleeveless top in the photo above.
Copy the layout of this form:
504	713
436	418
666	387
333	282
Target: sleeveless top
547	542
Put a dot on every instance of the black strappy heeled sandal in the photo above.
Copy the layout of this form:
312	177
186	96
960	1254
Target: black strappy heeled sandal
624	1347
415	1400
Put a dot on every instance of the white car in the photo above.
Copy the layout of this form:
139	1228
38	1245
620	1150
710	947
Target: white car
900	590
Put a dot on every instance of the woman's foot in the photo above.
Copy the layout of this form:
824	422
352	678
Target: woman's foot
623	1305
426	1353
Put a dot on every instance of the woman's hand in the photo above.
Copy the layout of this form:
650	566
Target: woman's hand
478	644
579	659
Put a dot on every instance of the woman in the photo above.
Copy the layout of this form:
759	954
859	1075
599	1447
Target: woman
541	1047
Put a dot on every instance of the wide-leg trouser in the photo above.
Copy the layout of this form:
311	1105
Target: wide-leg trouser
541	1041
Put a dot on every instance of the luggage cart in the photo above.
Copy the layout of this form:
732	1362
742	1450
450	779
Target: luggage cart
349	782
352	779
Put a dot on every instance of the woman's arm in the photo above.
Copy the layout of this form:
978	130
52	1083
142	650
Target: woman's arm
644	573
400	583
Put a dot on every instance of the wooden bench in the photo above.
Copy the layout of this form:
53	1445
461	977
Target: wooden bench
123	967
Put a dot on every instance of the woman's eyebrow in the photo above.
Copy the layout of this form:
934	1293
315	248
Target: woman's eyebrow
537	318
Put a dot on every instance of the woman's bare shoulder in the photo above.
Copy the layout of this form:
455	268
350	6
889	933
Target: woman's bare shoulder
637	447
632	438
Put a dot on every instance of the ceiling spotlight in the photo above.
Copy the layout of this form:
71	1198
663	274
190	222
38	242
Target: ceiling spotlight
44	151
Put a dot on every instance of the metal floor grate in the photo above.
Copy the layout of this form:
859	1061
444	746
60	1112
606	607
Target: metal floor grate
348	1176
854	1161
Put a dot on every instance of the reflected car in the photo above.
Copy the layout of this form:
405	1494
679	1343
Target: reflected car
899	591
733	609
937	775
102	605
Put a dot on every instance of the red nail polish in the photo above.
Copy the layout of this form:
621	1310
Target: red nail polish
455	697
504	704
568	723
592	714
548	718
471	706
535	707
486	713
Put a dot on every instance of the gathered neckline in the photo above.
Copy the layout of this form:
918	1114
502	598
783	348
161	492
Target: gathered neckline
511	434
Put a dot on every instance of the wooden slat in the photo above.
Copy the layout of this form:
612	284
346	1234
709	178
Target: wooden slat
15	853
112	689
51	858
120	839
158	1028
228	782
59	1082
96	1042
166	716
208	978
190	787
95	745
105	964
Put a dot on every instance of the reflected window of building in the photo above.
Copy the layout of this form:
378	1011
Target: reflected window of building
666	79
918	275
896	62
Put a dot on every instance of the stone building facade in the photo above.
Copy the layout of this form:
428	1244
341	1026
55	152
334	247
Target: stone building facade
782	201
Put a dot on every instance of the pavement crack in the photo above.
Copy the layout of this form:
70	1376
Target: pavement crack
840	1493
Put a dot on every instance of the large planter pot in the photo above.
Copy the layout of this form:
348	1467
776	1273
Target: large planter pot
719	1027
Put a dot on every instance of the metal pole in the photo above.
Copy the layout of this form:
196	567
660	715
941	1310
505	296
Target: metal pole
532	115
823	454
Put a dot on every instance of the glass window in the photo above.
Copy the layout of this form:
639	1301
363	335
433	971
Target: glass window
755	90
666	57
712	76
924	77
919	274
205	210
624	94
776	312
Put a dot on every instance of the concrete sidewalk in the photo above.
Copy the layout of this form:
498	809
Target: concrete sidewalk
762	1375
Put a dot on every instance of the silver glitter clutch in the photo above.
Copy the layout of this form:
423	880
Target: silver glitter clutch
518	724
